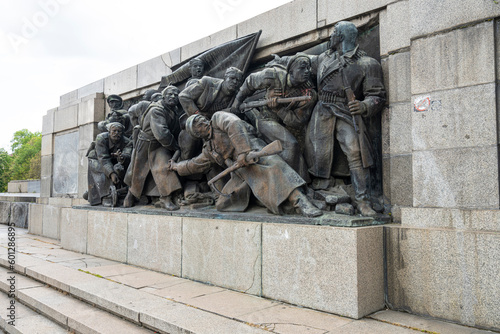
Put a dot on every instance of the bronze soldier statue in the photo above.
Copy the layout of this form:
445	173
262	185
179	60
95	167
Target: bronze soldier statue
156	144
136	110
205	97
109	158
351	90
228	140
197	67
274	121
117	114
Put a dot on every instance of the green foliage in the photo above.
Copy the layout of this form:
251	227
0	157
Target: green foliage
5	161
25	147
25	161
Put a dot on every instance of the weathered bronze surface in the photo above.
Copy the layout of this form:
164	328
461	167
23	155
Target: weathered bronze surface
269	139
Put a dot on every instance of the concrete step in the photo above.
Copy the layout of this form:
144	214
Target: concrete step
142	308
72	314
27	321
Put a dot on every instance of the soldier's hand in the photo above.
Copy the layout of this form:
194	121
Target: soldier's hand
172	165
272	102
357	107
115	178
242	159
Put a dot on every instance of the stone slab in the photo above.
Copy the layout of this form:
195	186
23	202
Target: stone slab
47	145
121	82
291	320
222	253
92	88
450	178
51	221
142	279
28	321
182	290
450	60
65	165
458	219
401	184
83	180
344	10
369	326
48	122
19	214
68	98
453	121
395	27
151	71
74	230
115	270
172	58
155	242
107	235
35	223
63	202
86	135
398	77
66	118
445	274
91	109
423	324
282	23
337	270
5	210
400	129
427	16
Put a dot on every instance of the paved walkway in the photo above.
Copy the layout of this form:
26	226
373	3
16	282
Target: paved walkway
113	286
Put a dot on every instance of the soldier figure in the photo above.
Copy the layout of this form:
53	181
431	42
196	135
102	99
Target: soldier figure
136	110
350	89
227	138
156	144
275	121
117	114
109	158
197	67
205	97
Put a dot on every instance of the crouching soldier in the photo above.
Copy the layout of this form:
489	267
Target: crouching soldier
228	139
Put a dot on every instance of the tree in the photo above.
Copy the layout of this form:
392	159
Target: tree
25	147
5	161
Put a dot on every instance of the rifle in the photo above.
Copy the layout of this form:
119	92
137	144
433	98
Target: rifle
280	100
251	158
359	127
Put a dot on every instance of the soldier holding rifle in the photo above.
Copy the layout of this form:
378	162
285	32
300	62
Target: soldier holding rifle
274	120
228	140
351	90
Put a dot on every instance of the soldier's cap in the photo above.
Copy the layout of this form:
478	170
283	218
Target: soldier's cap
156	97
235	70
190	123
114	97
296	60
115	125
168	88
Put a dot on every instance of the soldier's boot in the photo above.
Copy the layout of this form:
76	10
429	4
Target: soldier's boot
300	201
129	200
165	202
320	183
360	178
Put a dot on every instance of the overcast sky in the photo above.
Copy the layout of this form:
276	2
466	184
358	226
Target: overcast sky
51	47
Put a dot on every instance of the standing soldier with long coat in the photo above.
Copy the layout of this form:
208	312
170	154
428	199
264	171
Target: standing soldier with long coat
342	71
156	144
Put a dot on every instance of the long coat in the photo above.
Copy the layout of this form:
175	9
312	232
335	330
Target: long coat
156	143
363	75
271	180
101	165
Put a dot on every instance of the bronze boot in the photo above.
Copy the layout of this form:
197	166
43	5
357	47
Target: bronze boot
306	208
360	178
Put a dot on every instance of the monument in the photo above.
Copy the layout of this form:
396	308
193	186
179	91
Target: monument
384	115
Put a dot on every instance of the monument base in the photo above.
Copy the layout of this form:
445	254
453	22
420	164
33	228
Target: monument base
328	268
